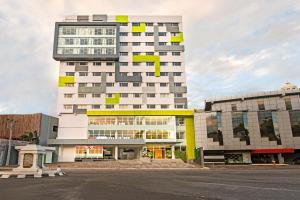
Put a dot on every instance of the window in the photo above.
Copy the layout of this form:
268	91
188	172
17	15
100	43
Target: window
178	95
137	106
109	64
261	105
84	41
176	63
97	63
83	51
70	73
162	34
136	73
55	128
96	106
109	106
69	41
124	95
109	84
177	84
123	106
162	43
83	73
83	63
136	64
70	63
164	106
149	63
164	95
136	44
109	73
98	51
123	43
163	84
136	95
164	73
175	43
81	95
268	125
150	84
110	41
123	53
151	106
151	95
135	24
149	34
136	34
136	53
68	107
180	135
96	95
233	107
123	84
97	41
149	53
69	30
175	53
179	106
160	24
123	34
96	73
149	73
68	96
295	122
288	103
136	84
149	24
82	84
149	43
98	31
69	85
110	31
123	63
163	53
176	73
123	24
96	84
163	64
109	95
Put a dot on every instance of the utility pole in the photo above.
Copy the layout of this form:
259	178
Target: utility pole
11	124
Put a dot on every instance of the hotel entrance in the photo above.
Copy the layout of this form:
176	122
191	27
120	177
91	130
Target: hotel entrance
158	151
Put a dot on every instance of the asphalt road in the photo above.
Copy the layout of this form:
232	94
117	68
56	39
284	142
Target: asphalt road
157	185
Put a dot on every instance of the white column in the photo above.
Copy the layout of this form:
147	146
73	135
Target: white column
173	151
116	152
280	158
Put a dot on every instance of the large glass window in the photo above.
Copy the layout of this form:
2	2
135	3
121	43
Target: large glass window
240	126
295	122
268	124
214	127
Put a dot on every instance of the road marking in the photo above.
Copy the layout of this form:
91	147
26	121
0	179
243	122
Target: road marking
250	187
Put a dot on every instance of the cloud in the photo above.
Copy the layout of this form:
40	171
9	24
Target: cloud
232	46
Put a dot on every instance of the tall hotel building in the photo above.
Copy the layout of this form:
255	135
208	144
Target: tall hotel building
122	88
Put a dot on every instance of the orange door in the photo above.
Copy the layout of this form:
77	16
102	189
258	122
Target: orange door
158	154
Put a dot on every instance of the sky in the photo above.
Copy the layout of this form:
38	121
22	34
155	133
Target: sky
232	46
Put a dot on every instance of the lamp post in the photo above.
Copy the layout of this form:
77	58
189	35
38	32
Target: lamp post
11	124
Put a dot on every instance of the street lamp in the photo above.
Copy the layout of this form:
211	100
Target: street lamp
11	124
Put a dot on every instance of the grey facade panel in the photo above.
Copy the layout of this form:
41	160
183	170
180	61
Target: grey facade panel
148	89
172	29
80	111
100	18
82	18
46	130
87	57
122	78
103	82
180	100
90	89
182	89
171	82
96	141
81	68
